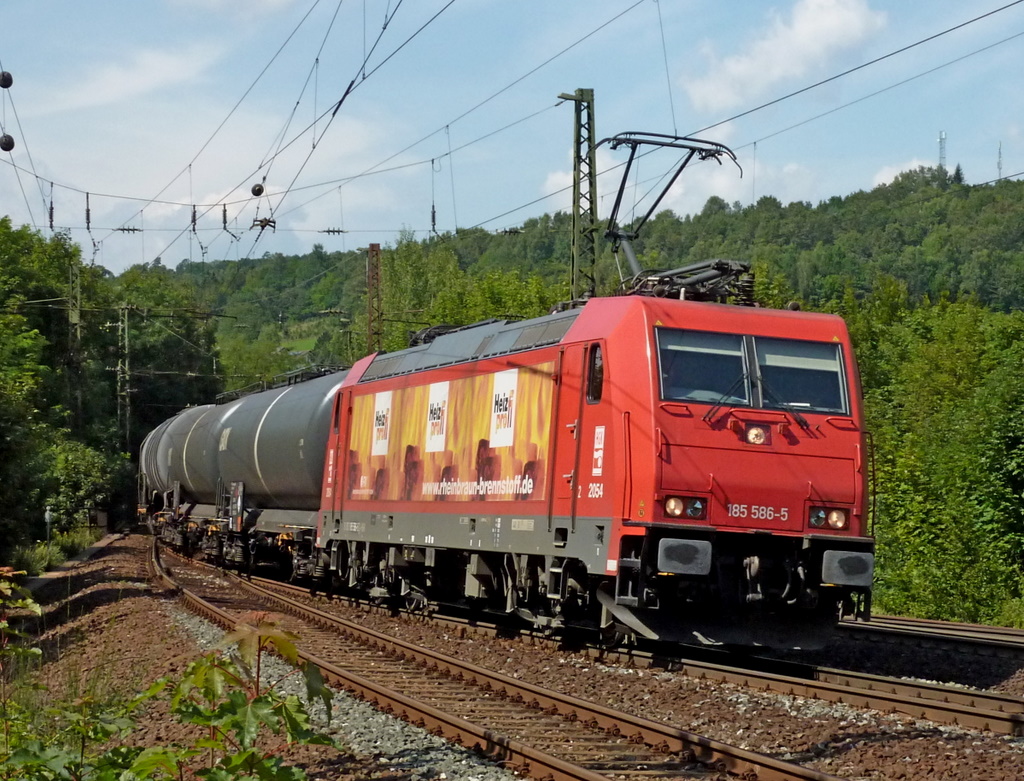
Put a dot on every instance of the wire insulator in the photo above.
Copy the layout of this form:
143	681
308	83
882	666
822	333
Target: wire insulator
745	290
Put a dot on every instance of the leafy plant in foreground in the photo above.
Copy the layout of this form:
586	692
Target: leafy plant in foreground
222	692
227	695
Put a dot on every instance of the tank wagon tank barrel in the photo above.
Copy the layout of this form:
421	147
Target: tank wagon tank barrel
272	441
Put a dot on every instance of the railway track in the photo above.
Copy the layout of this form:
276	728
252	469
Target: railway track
537	732
943	704
971	638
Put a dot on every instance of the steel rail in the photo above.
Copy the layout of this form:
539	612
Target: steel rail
1000	713
513	754
662	737
983	639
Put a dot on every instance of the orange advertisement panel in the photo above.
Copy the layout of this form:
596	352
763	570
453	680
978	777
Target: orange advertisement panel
481	438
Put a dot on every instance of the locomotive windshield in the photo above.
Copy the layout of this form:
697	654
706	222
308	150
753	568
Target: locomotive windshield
703	366
803	375
756	371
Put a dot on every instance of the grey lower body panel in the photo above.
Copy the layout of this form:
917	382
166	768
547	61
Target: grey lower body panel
584	540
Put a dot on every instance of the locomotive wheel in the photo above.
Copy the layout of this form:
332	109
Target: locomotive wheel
612	634
415	600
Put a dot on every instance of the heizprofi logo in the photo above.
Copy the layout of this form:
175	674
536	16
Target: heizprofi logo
437	417
381	424
503	408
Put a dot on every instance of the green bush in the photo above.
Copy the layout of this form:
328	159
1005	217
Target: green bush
76	540
39	557
34	559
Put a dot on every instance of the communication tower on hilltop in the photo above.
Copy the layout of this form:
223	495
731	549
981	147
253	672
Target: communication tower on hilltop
942	149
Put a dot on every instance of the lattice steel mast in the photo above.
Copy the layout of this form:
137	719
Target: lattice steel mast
584	195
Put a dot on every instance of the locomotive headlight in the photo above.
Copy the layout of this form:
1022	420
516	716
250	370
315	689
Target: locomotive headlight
756	435
818	517
837	519
674	506
695	509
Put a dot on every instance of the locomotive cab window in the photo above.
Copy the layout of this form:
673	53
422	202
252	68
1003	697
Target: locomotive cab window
595	374
801	375
702	366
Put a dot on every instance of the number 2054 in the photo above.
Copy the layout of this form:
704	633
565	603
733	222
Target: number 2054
758	512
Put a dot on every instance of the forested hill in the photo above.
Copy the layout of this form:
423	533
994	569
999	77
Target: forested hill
926	270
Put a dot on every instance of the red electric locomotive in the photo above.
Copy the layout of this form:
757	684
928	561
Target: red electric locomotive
669	468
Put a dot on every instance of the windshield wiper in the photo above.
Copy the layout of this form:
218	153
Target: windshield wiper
709	416
775	399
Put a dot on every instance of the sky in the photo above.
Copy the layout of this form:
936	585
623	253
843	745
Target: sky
364	120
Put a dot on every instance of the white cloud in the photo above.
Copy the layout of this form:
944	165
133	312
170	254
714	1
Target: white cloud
607	184
558	182
139	73
789	48
696	185
890	172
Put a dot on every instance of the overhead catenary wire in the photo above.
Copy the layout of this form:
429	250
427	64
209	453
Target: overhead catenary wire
353	85
312	74
668	76
238	103
813	86
338	183
753	144
348	91
7	97
376	169
332	184
451	176
876	93
503	90
294	189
